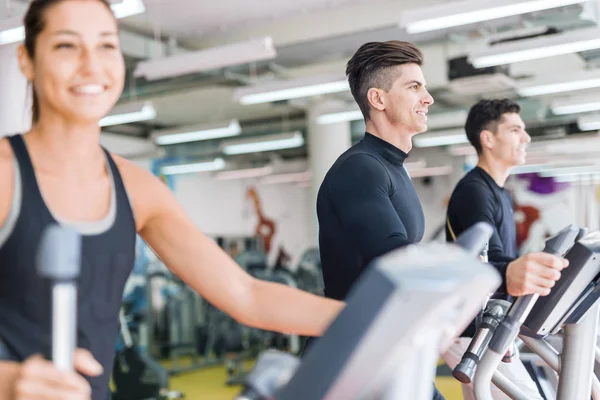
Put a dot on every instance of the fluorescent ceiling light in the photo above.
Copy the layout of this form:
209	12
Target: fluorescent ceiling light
272	142
537	48
440	138
214	165
197	133
570	171
208	59
12	30
291	89
589	178
528	169
575	105
244	173
552	85
434	121
287	178
433	18
128	113
127	8
343	116
589	123
580	146
549	168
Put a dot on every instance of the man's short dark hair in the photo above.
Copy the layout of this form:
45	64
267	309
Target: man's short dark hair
487	115
372	66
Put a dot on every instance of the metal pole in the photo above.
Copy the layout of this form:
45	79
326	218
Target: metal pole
544	350
509	388
578	356
58	263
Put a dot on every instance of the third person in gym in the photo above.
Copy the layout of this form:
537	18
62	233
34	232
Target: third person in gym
497	132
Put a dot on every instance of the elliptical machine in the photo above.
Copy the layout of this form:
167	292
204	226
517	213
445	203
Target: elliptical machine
569	313
385	343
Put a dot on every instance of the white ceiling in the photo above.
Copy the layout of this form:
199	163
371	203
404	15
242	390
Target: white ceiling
312	37
192	19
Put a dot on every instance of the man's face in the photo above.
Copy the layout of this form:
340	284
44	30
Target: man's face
407	102
509	143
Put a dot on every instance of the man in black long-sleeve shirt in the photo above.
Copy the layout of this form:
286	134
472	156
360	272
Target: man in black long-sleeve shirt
478	197
367	205
496	130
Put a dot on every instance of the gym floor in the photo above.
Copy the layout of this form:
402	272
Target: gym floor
209	384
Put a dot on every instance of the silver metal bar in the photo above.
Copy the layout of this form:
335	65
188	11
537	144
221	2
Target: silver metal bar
509	388
577	364
483	377
544	350
64	331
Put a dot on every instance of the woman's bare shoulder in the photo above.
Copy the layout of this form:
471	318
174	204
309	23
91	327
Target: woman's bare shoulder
143	188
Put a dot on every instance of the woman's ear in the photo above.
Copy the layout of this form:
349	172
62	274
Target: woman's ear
25	62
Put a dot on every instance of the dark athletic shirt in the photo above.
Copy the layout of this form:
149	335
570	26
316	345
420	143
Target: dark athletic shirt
107	260
477	197
366	206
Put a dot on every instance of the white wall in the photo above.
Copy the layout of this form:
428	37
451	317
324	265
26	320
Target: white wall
14	115
433	200
434	195
220	208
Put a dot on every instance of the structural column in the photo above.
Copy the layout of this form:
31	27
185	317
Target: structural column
15	114
326	142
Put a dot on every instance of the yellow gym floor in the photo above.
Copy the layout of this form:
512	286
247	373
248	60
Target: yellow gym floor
209	384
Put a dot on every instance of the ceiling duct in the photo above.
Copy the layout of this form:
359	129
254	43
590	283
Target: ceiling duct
465	79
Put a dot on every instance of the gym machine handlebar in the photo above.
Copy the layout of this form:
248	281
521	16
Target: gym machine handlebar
273	371
509	327
498	327
475	239
58	265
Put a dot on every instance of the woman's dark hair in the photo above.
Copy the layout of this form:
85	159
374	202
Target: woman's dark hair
35	23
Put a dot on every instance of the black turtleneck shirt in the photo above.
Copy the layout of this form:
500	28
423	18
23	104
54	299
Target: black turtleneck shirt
477	197
366	206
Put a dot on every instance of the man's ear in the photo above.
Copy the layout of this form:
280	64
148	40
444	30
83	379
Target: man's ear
487	139
376	98
25	63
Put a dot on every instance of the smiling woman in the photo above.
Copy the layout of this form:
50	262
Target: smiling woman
57	173
51	36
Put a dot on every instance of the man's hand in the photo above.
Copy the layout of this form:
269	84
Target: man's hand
534	273
39	379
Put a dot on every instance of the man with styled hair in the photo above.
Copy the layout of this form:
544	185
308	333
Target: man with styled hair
497	132
367	205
